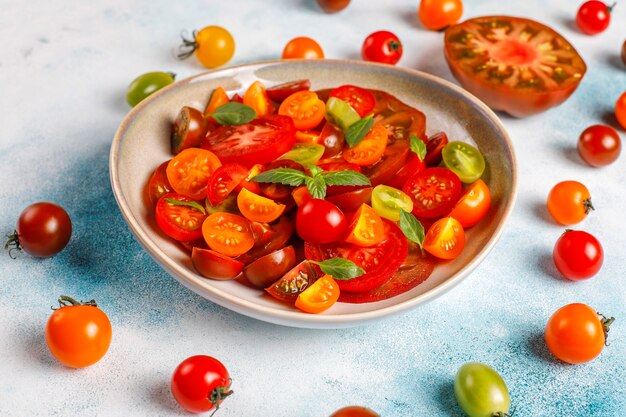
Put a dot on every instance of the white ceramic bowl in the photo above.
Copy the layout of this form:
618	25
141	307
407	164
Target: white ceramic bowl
142	143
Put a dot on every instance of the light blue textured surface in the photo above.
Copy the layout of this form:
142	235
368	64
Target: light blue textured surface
64	69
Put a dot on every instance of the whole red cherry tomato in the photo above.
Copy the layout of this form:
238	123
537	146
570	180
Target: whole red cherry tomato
599	145
319	221
200	383
578	255
43	229
593	17
382	46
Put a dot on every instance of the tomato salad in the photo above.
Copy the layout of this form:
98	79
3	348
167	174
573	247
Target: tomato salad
316	196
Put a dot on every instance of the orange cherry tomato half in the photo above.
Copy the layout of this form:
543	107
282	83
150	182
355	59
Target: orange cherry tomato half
569	202
473	204
370	149
303	48
190	170
257	208
366	228
228	234
439	14
256	97
305	108
320	296
445	239
218	97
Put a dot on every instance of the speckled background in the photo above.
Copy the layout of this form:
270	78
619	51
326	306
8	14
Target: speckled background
64	69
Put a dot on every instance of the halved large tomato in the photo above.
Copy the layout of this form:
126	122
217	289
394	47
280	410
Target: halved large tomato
513	64
258	142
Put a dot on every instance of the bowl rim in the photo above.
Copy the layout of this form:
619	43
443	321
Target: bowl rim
296	318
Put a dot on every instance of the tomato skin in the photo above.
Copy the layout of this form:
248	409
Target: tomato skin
158	185
383	47
213	46
473	204
599	145
190	170
181	223
392	161
268	269
355	411
319	296
294	282
434	192
302	48
578	255
78	335
214	265
256	97
620	109
519	100
413	165
434	147
439	14
569	202
146	84
445	239
280	92
218	98
360	99
350	201
228	234
481	391
593	17
268	238
575	334
333	6
188	129
223	181
43	229
319	221
200	383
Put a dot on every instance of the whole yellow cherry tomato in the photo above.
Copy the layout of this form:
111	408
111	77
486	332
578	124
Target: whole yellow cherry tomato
214	46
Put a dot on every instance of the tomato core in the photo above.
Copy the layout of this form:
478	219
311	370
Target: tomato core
514	52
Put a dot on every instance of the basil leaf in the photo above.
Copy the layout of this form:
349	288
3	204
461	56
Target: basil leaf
418	146
412	228
357	130
192	204
316	186
315	170
345	177
340	268
285	176
233	114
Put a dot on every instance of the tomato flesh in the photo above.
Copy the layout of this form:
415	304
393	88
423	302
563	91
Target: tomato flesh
434	192
319	296
223	181
188	172
360	99
182	223
268	269
294	282
445	239
280	92
228	234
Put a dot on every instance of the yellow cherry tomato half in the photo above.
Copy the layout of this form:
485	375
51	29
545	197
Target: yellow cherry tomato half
258	208
367	228
445	239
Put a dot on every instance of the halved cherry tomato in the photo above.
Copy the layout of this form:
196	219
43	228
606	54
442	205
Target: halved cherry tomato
270	268
319	296
380	261
394	158
445	239
188	129
434	148
280	92
473	204
218	97
513	64
366	228
370	149
464	160
258	142
190	170
257	208
307	136
214	265
434	192
227	233
389	201
414	165
350	201
268	238
180	222
248	183
332	139
224	180
298	279
158	185
256	97
358	98
305	108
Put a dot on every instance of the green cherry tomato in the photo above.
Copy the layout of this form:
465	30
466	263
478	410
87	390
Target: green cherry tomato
305	153
146	84
340	113
388	201
480	391
464	160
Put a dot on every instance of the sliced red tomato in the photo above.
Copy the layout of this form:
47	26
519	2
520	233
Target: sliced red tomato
270	268
158	185
394	158
224	180
228	234
370	149
280	92
445	239
258	142
214	265
256	97
513	64
257	208
268	238
305	108
218	97
179	221
473	204
434	147
366	228
320	296
294	282
350	201
380	261
414	165
188	129
434	192
190	170
358	98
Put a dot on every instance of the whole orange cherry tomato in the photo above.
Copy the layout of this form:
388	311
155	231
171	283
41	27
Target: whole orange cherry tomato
576	333
569	202
302	47
620	110
439	14
78	334
473	204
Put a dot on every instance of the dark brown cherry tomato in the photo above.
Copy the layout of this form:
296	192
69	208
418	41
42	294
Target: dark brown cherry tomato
333	6
43	229
214	265
392	161
268	238
382	46
350	201
298	279
624	52
280	92
333	140
355	411
434	146
270	268
188	130
599	145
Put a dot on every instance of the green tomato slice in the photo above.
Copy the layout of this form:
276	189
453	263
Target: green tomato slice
464	160
305	153
340	113
388	201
